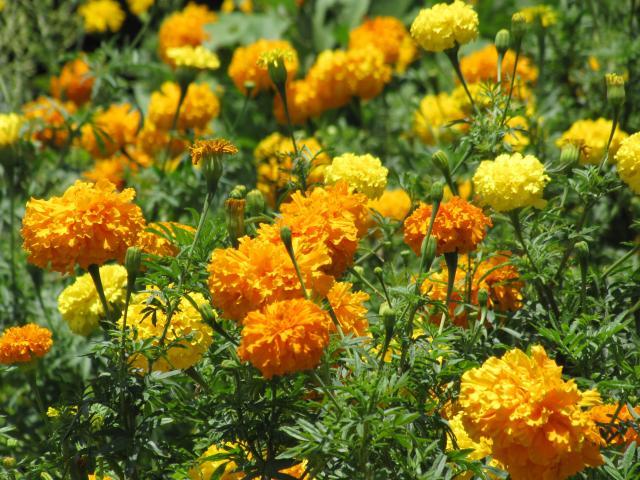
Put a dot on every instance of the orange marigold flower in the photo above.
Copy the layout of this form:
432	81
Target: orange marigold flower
74	83
112	130
458	226
534	417
285	337
184	28
501	280
199	107
202	149
349	309
435	286
152	140
394	204
482	66
25	343
302	102
328	78
367	73
112	169
50	119
619	431
157	244
244	65
260	271
89	224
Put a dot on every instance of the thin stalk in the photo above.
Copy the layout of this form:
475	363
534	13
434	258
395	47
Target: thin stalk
282	91
326	389
174	124
452	54
511	84
245	104
203	215
94	271
617	263
500	59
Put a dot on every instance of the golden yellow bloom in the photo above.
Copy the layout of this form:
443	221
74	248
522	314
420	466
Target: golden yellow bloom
620	431
206	468
628	162
394	204
431	121
187	337
285	337
89	224
244	64
101	15
518	137
328	79
594	64
245	6
199	107
111	169
99	477
591	137
10	125
151	140
139	7
156	244
444	26
363	173
302	102
482	66
479	450
184	28
538	429
112	130
50	119
23	344
202	149
390	36
275	57
510	182
193	57
545	14
80	305
458	226
349	309
367	73
74	83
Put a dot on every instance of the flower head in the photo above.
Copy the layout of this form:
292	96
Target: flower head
545	14
628	162
285	337
101	15
112	130
50	119
203	149
431	122
458	226
510	182
184	28
395	204
328	80
89	224
618	430
139	7
75	82
199	107
198	57
349	309
591	136
444	26
23	344
302	102
10	125
153	243
363	173
275	57
481	66
366	72
206	469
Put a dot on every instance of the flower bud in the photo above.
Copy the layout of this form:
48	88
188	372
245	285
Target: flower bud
582	249
9	462
377	271
503	40
483	297
235	219
358	270
569	154
437	191
207	313
256	203
285	236
427	253
238	192
441	161
132	261
615	89
519	27
388	316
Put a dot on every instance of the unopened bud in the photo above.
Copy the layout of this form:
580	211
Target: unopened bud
441	161
238	192
207	313
256	203
437	191
569	154
615	89
483	297
358	270
582	249
377	271
235	219
427	253
388	316
132	261
503	41
285	235
518	29
8	462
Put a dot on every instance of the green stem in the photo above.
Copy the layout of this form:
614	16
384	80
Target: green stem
94	271
511	84
174	124
282	91
203	215
615	264
452	54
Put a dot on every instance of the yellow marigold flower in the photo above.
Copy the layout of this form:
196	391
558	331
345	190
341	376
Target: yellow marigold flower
518	137
184	28
431	121
202	149
302	102
591	137
363	173
139	7
99	477
285	337
349	309
390	36
10	125
531	414
74	83
89	224
101	15
188	337
206	468
80	305
394	204
155	244
274	164
245	6
244	65
458	226
193	57
628	161
328	78
367	73
112	130
510	182
49	116
444	26
545	14
482	66
199	107
620	431
23	344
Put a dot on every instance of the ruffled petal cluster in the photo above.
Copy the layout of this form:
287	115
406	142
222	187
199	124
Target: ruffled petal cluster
154	243
48	118
482	66
111	130
194	57
349	309
591	137
74	83
432	121
206	468
444	26
628	162
458	226
510	182
532	416
23	344
80	305
199	107
395	204
183	28
89	224
363	173
10	125
101	15
617	423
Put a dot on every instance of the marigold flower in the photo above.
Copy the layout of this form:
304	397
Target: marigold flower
458	226
207	148
193	57
620	431
23	344
111	169
101	15
151	140
244	64
545	14
75	82
153	243
111	131
390	36
501	280
533	416
199	107
50	117
80	305
245	6
183	28
395	204
367	73
285	337
349	309
187	337
431	122
482	65
206	468
101	477
139	7
628	162
302	102
510	182
10	125
517	137
591	136
444	26
328	78
363	173
89	224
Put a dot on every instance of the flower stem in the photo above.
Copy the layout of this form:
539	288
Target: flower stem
511	84
452	54
282	91
94	271
174	125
